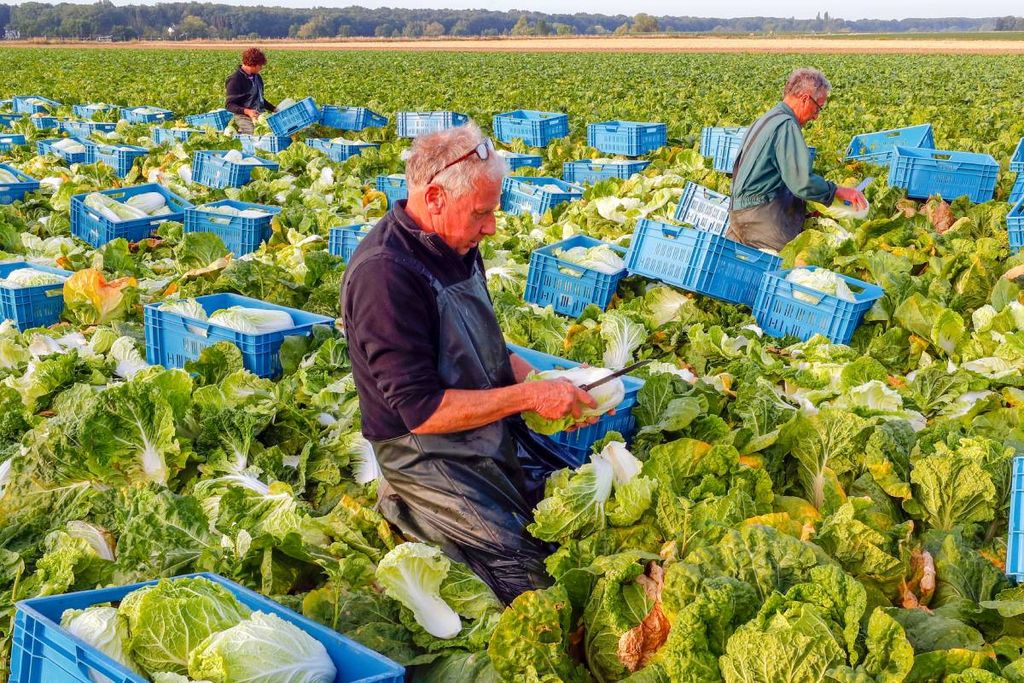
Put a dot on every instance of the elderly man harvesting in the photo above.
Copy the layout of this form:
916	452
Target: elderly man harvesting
772	177
244	91
439	392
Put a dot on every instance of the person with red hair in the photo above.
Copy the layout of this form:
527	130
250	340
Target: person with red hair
245	91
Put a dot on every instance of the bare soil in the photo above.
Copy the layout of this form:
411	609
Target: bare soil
851	45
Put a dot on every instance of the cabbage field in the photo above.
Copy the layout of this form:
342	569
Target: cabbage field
786	512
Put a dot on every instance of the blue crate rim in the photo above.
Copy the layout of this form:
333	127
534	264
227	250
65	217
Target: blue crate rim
869	292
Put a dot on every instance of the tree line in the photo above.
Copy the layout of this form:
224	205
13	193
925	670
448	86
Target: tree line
184	21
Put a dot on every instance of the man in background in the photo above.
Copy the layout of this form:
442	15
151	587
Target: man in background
244	96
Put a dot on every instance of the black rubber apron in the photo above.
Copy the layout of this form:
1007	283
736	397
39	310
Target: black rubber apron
771	225
471	492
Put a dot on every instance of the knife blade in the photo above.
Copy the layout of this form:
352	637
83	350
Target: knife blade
618	373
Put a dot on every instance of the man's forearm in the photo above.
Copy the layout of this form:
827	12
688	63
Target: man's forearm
520	368
463	409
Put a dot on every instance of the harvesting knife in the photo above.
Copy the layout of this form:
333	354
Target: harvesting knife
863	186
618	373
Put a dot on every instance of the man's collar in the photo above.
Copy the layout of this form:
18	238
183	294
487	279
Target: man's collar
788	109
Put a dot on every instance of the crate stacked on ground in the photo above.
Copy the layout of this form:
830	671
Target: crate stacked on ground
33	104
721	145
698	261
266	143
218	169
568	287
119	157
10	141
217	119
242	234
523	194
926	172
339	149
163	136
1014	225
87	111
703	209
45	652
85	129
295	117
877	147
595	170
534	128
515	160
413	123
351	118
628	138
578	444
173	339
63	148
93	226
343	240
30	306
14	184
785	308
393	186
146	114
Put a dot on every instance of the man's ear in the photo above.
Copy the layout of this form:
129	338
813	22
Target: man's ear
434	197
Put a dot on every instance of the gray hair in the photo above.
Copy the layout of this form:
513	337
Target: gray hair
807	82
432	152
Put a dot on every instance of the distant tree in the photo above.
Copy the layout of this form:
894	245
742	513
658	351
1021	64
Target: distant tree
645	23
191	27
564	29
460	28
384	30
522	27
344	31
540	28
623	29
434	29
122	33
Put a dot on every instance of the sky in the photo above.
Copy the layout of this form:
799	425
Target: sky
801	9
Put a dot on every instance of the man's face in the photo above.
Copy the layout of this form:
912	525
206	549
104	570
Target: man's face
253	69
463	222
812	107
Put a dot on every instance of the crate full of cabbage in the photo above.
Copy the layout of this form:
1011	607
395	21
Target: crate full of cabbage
241	225
128	212
218	169
573	274
178	330
14	184
70	150
31	295
199	627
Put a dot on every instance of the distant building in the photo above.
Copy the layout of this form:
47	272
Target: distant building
11	34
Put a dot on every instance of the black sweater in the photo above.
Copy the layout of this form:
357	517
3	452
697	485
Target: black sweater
244	93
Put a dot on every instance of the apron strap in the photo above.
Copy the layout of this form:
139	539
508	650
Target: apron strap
751	137
409	263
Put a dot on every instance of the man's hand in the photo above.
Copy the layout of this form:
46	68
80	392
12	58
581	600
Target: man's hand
852	195
253	114
558	398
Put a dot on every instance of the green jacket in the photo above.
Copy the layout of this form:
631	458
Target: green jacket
779	157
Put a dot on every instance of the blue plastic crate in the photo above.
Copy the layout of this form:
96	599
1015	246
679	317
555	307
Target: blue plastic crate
265	143
240	235
339	151
119	157
87	111
413	123
7	119
13	192
351	118
516	160
703	209
780	313
629	138
21	104
45	122
1014	224
172	135
1015	538
578	444
210	168
534	128
10	140
298	116
698	261
43	652
926	172
566	286
217	119
522	194
90	226
85	129
44	147
393	186
344	240
877	148
721	145
172	339
37	306
158	115
1017	191
590	171
1017	160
